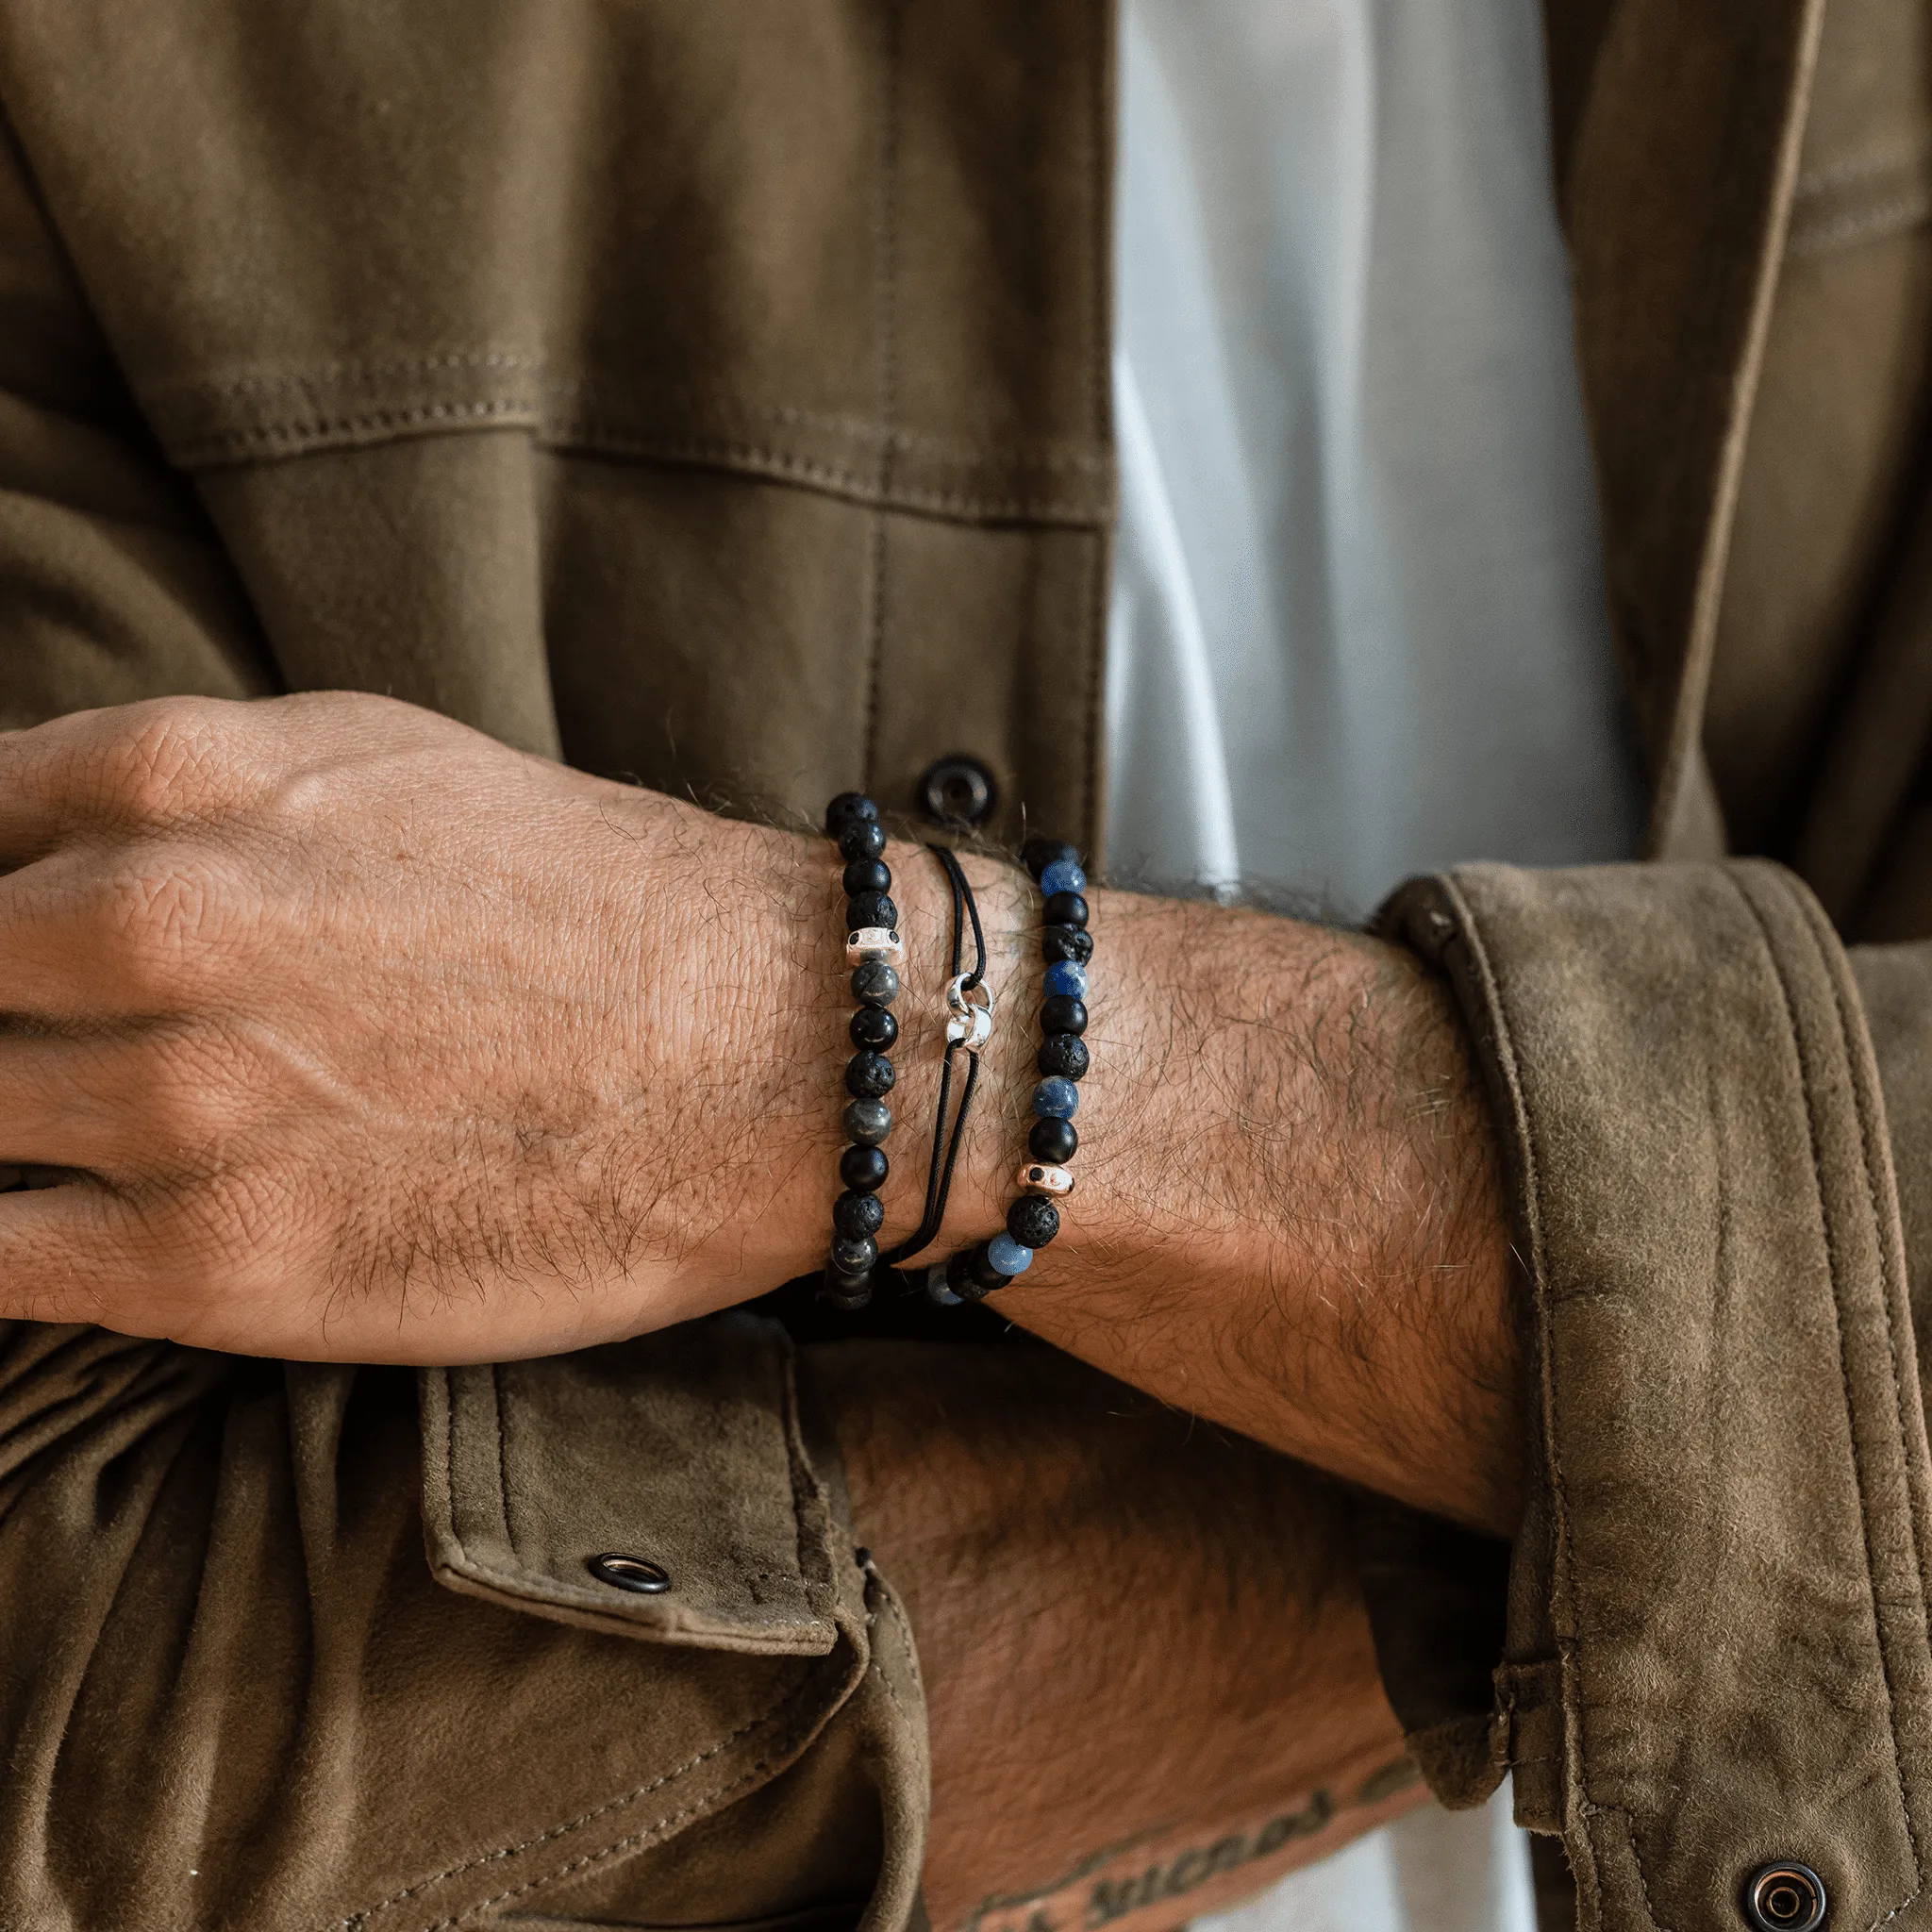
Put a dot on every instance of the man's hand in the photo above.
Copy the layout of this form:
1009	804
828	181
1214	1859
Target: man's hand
346	1032
341	1030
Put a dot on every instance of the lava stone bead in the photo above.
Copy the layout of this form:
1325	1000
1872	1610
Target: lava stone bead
1030	1220
1062	1013
855	1214
871	909
854	1255
1038	854
875	983
869	1075
1067	943
868	1121
868	875
1065	909
1065	975
865	838
1057	1098
846	807
1064	1053
863	1169
874	1028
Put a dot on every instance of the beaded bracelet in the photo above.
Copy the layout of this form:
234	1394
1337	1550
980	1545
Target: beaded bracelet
875	951
1033	1220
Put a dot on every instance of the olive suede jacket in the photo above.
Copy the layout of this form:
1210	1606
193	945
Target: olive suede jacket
689	391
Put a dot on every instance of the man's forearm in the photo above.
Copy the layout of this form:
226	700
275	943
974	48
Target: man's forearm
1149	1683
1288	1214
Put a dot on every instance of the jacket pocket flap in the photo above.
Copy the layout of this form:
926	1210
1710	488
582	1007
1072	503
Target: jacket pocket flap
657	1487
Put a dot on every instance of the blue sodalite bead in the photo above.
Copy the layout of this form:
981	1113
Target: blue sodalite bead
1063	975
1007	1256
1062	875
1056	1099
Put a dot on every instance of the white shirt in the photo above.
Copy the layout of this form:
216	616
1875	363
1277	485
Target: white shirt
1357	625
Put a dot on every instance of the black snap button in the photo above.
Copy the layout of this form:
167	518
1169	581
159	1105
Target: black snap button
629	1573
1785	1897
958	790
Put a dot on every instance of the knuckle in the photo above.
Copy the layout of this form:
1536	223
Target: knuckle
169	761
157	923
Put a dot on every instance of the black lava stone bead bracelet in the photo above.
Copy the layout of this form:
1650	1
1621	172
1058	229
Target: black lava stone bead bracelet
874	952
1033	1220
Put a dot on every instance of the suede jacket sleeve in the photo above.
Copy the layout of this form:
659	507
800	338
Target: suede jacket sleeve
1715	1652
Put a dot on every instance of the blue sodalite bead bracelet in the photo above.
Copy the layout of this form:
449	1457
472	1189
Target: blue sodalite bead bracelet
1033	1220
875	951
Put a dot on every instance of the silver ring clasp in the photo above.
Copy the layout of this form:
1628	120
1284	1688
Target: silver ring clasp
970	1023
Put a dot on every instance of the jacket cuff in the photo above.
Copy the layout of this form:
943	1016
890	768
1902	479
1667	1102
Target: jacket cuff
1714	1652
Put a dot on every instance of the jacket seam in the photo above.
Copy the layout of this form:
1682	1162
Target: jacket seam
299	436
1575	1753
1831	1251
887	435
1894	1289
358	1920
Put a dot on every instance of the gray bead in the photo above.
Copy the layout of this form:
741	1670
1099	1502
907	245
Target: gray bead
868	1121
875	983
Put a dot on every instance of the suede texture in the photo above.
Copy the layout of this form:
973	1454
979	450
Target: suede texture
718	397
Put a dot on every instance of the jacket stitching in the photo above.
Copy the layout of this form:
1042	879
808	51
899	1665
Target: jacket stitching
1564	1563
1831	1249
241	445
587	1858
1885	1254
509	1527
887	435
510	1851
885	323
1862	1105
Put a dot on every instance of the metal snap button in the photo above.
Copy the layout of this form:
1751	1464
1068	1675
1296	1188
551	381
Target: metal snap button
629	1573
958	790
1785	1897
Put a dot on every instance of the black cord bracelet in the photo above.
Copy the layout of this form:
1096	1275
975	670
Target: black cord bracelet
969	1024
1033	1220
875	951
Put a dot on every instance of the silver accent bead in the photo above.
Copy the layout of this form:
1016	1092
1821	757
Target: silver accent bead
1038	1177
875	942
971	1024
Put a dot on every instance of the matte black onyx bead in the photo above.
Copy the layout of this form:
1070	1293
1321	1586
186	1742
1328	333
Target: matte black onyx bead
855	1214
1064	1053
870	908
1062	1013
874	1028
845	809
869	1075
867	875
1033	1221
1038	854
965	1280
854	1254
863	839
875	983
1066	942
980	1271
1053	1142
868	1121
863	1169
1065	909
